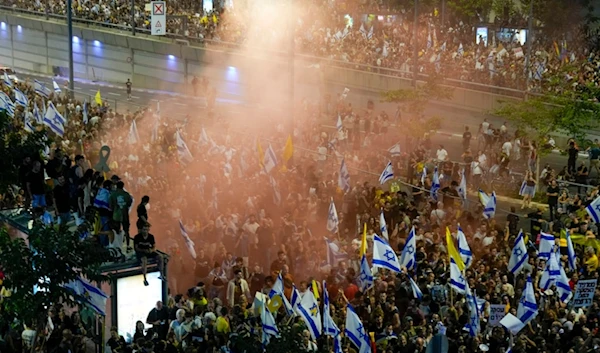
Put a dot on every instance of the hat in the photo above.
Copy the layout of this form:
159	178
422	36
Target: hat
115	177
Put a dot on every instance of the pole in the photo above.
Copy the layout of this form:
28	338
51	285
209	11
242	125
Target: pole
529	48
133	17
443	13
70	25
291	63
415	46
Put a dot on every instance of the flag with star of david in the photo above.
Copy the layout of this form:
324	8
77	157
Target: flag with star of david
333	221
474	324
365	276
519	255
356	331
528	308
308	310
408	258
384	256
457	279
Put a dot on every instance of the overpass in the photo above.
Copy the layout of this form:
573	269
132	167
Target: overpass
30	41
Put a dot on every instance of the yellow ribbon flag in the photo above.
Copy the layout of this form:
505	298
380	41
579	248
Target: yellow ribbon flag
288	150
261	154
315	289
452	252
98	98
363	243
274	304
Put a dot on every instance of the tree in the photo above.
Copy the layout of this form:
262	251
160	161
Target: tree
51	257
13	149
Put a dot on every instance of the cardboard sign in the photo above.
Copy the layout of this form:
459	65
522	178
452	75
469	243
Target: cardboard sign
584	293
497	313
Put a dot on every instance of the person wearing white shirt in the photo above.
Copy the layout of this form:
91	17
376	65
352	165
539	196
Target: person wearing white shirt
308	344
236	288
441	154
507	148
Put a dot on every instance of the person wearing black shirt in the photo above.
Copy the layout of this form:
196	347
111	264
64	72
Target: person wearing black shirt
24	170
158	317
537	219
145	248
142	212
581	176
513	221
36	187
573	153
466	142
62	200
552	193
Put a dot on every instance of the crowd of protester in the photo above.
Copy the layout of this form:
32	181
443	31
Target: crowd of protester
248	227
366	42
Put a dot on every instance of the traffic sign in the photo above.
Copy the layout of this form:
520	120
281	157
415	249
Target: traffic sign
158	20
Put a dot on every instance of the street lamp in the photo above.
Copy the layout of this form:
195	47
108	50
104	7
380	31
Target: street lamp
415	47
70	26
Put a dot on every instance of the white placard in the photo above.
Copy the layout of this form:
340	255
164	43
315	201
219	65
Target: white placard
158	20
497	313
584	293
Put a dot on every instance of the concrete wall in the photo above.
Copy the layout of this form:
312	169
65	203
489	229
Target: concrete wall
35	44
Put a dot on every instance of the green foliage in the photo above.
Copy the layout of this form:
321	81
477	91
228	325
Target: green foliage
469	9
54	257
13	148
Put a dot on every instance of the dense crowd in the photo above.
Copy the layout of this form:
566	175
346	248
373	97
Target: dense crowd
254	211
352	38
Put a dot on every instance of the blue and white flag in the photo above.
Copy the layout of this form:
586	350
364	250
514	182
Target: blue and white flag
383	226
363	31
334	253
204	140
54	120
356	331
457	280
435	184
593	209
365	276
415	289
384	256
7	104
41	89
474	324
519	255
277	290
28	125
408	258
270	160
547	245
333	221
443	47
133	136
423	176
7	80
463	248
20	98
344	177
370	34
387	174
276	193
182	149
85	112
329	327
339	125
462	187
154	136
572	259
395	150
102	199
269	327
308	310
57	89
488	203
528	308
555	275
429	41
461	50
188	242
295	297
37	115
90	295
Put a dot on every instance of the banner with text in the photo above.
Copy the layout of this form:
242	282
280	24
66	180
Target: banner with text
584	293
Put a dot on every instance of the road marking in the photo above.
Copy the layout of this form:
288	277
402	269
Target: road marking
185	105
134	97
77	87
113	94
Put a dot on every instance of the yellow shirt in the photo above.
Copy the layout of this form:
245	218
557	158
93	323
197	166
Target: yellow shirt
223	325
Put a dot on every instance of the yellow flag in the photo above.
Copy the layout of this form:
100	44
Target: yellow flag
98	98
288	150
315	289
452	252
275	303
261	154
363	243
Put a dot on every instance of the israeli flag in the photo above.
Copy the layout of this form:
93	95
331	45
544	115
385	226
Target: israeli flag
528	308
57	89
308	310
37	115
133	137
387	174
182	148
344	177
7	80
339	125
27	123
435	185
519	255
555	275
384	256
415	289
474	324
363	31
365	276
571	253
356	332
276	193
270	160
395	150
370	34
462	187
85	112
593	209
489	204
461	50
423	176
277	290
329	326
7	104
408	258
269	327
41	89
443	47
89	294
463	248
188	242
546	247
457	280
332	218
295	297
334	253
54	120
383	226
20	98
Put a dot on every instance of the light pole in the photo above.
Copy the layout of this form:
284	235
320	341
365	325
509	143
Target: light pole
70	26
133	17
291	63
415	47
529	48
